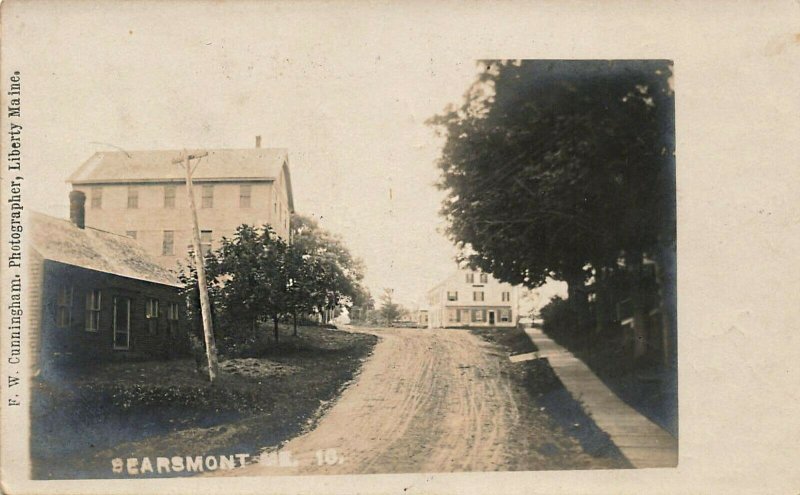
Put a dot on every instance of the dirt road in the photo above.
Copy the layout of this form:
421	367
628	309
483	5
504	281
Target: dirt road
425	401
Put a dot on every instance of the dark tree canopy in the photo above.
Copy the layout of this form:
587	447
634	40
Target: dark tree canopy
551	166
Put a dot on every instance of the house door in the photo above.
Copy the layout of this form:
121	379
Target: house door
122	323
491	317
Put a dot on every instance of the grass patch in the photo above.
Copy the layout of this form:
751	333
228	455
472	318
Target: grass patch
82	418
513	340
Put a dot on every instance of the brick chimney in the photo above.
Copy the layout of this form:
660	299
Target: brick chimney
77	210
258	141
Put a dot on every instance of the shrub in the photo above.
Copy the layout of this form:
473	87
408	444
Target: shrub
560	324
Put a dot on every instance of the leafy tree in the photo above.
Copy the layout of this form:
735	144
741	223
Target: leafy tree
238	295
362	304
339	274
252	276
390	310
560	169
304	284
255	276
188	278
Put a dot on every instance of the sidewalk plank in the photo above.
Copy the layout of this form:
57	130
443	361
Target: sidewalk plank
643	442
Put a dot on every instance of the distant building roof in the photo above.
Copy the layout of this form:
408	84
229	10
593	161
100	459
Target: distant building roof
455	277
60	240
110	167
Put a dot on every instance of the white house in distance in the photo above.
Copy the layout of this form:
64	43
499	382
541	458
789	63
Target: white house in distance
471	298
142	194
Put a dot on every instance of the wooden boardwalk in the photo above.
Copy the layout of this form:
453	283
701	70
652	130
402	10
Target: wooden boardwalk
644	443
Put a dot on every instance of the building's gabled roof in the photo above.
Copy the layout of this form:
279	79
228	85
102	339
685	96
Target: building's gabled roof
157	166
60	240
450	278
456	278
120	167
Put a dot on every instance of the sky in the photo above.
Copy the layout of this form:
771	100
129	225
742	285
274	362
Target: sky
348	96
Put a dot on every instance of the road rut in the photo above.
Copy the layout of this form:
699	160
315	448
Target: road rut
425	401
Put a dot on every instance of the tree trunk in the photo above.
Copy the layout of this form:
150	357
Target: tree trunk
576	295
665	277
295	324
602	302
275	330
637	306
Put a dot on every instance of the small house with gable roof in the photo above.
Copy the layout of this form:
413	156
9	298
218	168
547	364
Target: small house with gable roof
97	295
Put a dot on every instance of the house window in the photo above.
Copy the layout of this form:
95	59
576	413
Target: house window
245	192
131	234
93	310
205	241
477	295
151	313
168	244
477	315
172	318
64	307
505	315
169	196
470	278
122	323
484	278
452	315
97	197
133	197
208	197
452	296
506	296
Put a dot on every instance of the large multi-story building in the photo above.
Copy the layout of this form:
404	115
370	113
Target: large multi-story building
142	194
472	298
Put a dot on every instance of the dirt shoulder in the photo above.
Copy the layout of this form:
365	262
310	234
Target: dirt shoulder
544	399
83	419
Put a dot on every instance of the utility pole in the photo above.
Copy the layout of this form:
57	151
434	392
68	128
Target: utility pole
205	304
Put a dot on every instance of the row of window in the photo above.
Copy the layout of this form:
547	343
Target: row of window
121	308
470	278
168	241
462	315
206	199
477	296
206	196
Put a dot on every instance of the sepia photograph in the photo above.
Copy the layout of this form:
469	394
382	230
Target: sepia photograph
269	247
